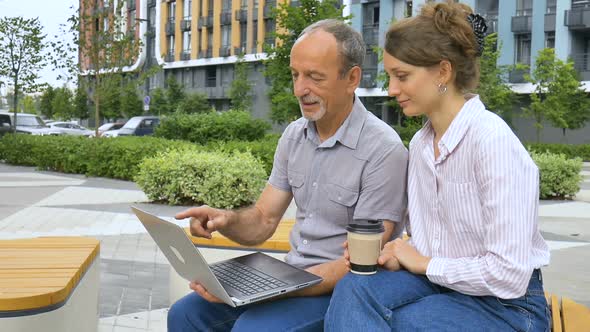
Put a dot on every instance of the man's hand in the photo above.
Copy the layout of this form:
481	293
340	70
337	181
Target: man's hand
199	289
400	252
204	220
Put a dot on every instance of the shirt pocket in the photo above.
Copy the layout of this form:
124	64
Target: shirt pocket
297	181
343	202
461	208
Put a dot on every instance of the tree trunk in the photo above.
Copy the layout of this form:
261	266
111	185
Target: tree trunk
15	102
96	106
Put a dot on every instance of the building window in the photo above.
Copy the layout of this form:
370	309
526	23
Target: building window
225	35
243	37
523	49
171	44
550	39
187	9
524	7
551	6
211	77
186	41
171	11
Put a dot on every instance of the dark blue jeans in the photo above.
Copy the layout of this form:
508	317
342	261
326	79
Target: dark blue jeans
402	301
192	313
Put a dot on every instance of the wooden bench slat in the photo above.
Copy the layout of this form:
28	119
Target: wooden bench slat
555	314
576	317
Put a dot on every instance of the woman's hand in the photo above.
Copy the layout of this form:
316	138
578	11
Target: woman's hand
399	253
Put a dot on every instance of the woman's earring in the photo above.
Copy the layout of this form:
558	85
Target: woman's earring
442	88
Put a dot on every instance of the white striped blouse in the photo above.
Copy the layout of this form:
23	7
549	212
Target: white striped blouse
474	209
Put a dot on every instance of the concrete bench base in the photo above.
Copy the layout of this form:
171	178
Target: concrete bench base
78	314
179	286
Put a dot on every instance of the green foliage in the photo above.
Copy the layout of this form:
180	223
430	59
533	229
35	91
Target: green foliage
109	98
159	103
193	177
569	150
21	54
240	91
194	103
263	149
131	104
291	21
62	104
558	96
174	93
46	100
203	128
81	103
493	89
560	177
28	105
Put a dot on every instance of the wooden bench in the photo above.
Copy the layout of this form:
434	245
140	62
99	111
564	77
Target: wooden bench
220	248
49	284
567	315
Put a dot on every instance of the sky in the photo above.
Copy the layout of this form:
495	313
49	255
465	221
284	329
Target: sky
51	13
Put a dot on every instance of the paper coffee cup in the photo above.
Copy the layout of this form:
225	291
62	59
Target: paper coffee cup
364	245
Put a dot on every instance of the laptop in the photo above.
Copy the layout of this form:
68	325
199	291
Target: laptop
237	281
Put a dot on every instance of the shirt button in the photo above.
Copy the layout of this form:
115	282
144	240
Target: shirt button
315	184
290	181
339	198
304	241
311	215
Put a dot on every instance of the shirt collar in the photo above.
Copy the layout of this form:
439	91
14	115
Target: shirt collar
459	126
348	133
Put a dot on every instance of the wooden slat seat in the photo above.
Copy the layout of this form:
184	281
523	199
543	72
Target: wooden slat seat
42	272
567	315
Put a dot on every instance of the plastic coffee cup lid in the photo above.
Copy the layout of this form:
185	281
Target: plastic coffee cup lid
366	226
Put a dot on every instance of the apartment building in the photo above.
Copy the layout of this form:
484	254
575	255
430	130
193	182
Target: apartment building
198	42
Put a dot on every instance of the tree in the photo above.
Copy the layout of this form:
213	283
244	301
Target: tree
159	103
21	55
194	103
290	22
174	93
240	91
45	106
493	89
62	103
81	103
131	103
107	45
558	95
28	104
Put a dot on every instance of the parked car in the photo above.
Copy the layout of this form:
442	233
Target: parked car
25	123
139	126
68	128
111	126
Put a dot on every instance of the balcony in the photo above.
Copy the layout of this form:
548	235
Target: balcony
208	53
130	5
225	17
268	8
582	65
577	18
369	79
517	76
205	22
185	55
522	24
240	50
270	41
492	22
151	3
169	57
371	34
550	22
170	28
185	25
151	32
241	15
215	92
225	51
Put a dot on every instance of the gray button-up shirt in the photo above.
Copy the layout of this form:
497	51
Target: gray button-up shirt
358	173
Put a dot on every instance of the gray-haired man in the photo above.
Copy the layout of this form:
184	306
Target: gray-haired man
338	161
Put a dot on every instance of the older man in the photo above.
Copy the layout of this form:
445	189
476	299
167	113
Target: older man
338	161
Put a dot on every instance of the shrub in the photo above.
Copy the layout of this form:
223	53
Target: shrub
560	177
194	177
263	149
207	127
570	150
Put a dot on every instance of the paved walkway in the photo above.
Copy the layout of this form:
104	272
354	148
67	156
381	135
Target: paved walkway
134	273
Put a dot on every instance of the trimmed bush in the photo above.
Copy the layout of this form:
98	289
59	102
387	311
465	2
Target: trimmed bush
570	150
263	149
560	176
207	127
194	177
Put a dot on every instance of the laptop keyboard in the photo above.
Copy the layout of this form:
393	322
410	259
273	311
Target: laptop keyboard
245	278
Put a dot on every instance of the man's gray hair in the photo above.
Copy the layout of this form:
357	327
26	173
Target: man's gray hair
350	42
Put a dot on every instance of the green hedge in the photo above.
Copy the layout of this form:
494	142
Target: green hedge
194	177
560	176
569	150
263	149
207	127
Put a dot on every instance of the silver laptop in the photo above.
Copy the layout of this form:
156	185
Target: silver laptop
238	281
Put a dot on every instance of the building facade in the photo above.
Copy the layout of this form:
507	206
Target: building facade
198	42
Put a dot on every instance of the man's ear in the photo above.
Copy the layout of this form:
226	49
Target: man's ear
445	72
353	78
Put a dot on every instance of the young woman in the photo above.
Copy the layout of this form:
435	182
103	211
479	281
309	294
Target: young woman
474	257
